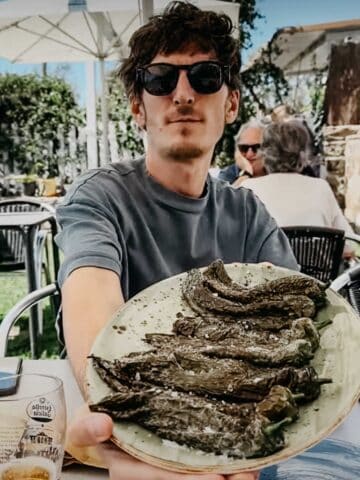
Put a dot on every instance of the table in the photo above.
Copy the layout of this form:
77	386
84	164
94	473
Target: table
348	431
28	223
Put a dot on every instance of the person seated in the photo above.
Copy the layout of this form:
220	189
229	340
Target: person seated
284	113
128	225
248	162
291	197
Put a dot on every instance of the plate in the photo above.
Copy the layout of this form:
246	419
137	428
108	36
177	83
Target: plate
329	460
154	310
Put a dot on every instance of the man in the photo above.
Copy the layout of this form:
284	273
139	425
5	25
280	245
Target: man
129	225
248	161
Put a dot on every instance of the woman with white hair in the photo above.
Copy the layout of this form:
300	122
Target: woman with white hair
248	162
290	197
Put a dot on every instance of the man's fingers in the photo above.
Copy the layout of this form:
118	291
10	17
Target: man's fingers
90	429
125	467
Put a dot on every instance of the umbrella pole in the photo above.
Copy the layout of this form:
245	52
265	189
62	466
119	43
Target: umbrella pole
104	114
147	10
91	133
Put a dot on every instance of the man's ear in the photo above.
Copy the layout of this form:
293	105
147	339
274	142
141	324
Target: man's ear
232	106
138	113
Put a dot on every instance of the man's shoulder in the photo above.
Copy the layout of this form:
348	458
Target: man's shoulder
224	189
126	166
104	178
121	169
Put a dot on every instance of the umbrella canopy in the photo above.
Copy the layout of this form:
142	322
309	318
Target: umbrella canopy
40	31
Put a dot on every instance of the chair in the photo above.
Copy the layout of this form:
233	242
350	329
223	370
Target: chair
25	303
11	241
12	249
348	284
12	255
318	250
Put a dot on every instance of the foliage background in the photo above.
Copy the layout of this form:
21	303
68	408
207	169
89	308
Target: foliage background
41	105
263	86
32	109
128	135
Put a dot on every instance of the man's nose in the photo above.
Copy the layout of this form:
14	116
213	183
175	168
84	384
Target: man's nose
183	94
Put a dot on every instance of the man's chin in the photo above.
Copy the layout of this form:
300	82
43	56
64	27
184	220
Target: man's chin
184	153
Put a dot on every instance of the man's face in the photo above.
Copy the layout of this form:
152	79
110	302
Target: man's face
185	125
248	144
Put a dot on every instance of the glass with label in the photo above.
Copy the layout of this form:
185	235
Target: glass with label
32	427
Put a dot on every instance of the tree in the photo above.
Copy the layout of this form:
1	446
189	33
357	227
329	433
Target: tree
262	84
128	135
32	109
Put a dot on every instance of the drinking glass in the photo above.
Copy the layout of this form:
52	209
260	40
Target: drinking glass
32	427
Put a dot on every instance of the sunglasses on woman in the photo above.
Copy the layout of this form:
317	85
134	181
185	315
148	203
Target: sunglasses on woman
204	77
244	147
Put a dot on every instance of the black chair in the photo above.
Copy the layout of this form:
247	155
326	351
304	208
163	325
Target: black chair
12	253
318	250
31	299
348	284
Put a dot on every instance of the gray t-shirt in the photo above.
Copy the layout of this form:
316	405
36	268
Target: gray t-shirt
119	218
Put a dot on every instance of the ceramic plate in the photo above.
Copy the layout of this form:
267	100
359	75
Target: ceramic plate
154	310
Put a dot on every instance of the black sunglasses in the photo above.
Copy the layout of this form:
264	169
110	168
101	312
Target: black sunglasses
243	147
204	77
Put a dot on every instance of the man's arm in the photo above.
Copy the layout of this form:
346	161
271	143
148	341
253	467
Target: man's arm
90	297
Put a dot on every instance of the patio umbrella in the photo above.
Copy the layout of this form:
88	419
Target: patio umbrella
40	31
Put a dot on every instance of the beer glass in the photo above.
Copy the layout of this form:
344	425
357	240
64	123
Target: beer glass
32	427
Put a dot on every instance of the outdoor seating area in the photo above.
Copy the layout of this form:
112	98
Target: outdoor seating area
319	250
27	237
179	240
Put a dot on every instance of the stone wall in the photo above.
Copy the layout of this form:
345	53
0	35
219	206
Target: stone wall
342	163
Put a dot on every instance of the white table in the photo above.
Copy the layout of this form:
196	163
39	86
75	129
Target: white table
349	430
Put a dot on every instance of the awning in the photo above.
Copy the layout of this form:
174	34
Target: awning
304	49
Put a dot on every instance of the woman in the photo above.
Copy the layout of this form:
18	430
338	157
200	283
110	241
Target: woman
248	162
291	197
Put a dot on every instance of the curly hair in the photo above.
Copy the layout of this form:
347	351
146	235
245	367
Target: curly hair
286	146
181	26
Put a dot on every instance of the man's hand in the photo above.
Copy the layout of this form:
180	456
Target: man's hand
243	163
92	429
244	476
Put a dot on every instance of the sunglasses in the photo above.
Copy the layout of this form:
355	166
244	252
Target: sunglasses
243	147
204	77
